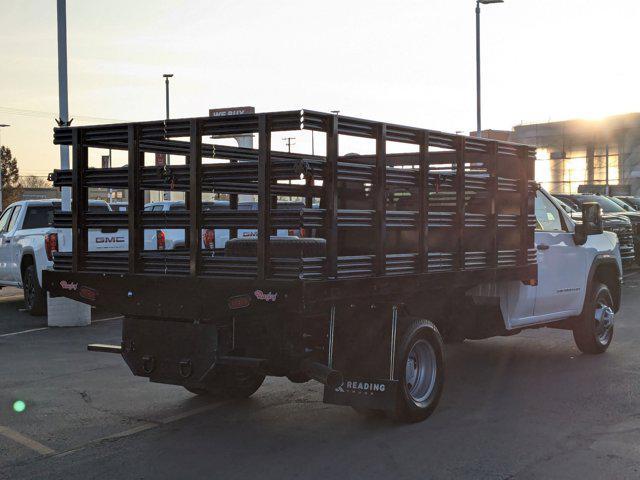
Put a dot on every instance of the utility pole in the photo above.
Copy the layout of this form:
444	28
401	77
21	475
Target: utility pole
63	95
2	125
288	142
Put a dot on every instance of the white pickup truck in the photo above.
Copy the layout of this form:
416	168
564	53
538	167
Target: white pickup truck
173	238
28	241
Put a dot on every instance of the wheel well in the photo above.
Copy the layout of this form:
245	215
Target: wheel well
608	275
27	261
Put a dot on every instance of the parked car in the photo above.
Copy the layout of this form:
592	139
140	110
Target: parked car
119	206
28	242
609	208
629	200
618	224
624	205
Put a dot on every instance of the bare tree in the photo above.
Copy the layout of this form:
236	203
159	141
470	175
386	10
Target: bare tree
33	181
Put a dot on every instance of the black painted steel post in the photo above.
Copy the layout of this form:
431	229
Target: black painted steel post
380	189
136	198
195	196
460	202
330	187
80	202
423	203
492	167
264	196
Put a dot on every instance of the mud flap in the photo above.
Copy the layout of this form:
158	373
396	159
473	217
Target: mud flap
364	393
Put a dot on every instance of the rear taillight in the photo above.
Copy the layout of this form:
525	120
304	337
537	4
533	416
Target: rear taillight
297	233
160	240
51	244
209	239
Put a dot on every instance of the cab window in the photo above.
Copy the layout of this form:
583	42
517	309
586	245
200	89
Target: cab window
548	217
14	218
4	219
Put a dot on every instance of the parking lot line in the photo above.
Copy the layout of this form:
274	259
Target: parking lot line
190	413
25	441
23	331
45	328
107	319
131	431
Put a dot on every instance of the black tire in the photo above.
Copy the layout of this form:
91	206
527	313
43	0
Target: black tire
593	330
416	401
230	383
35	297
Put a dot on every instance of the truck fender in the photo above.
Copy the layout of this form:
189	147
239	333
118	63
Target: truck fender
27	257
604	269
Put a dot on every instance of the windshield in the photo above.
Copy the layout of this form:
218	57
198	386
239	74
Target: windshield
608	205
624	205
567	208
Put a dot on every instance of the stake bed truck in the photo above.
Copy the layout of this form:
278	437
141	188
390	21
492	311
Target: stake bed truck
424	238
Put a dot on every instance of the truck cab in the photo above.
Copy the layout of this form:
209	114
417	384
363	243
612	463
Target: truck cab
566	269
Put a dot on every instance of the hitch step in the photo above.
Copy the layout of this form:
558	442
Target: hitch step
100	347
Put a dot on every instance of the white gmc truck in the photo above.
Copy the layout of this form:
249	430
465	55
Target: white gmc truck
28	241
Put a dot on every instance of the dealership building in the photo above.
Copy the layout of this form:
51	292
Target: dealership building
586	152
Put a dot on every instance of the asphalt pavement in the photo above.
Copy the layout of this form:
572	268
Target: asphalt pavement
528	406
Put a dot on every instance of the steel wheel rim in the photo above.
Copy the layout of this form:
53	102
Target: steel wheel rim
420	371
604	318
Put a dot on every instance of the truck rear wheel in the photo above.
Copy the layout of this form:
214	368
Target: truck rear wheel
229	382
593	331
35	297
420	372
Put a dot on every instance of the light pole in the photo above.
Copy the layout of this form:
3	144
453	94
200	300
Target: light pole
167	76
478	98
2	125
63	95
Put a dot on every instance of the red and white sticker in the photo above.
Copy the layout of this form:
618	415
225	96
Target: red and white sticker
68	285
267	297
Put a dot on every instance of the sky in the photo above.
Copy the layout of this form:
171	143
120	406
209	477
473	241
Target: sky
409	62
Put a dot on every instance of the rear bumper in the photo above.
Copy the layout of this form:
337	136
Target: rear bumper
177	297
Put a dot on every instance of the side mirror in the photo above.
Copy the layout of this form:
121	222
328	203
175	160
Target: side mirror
592	218
591	222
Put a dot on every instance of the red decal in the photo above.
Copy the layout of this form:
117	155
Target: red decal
88	293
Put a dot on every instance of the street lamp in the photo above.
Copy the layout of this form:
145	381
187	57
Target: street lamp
167	76
479	116
2	125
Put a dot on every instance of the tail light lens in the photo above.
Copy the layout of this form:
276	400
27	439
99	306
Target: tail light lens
297	233
50	244
160	240
209	239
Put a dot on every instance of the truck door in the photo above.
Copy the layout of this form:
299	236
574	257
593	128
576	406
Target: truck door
8	228
561	265
4	247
